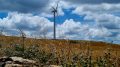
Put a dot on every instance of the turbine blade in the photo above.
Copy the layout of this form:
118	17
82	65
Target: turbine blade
53	8
57	5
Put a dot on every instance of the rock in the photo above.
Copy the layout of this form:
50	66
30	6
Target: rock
30	61
13	65
20	59
8	62
17	62
54	66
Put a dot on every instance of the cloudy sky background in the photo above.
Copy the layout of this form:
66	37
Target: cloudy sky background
77	19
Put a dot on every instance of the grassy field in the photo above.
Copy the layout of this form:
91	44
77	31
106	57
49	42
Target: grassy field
78	53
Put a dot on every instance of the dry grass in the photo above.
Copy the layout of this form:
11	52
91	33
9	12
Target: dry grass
98	48
66	49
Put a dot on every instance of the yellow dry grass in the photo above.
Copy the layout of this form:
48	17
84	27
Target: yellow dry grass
64	47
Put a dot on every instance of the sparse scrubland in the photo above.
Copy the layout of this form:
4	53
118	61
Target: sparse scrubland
66	53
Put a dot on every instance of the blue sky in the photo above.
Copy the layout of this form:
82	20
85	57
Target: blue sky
97	20
3	15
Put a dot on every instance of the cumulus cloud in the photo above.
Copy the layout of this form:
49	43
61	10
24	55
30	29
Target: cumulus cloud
107	20
93	1
70	28
104	16
97	8
26	22
36	25
76	30
53	3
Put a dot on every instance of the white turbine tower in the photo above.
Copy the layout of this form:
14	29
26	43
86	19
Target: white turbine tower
55	12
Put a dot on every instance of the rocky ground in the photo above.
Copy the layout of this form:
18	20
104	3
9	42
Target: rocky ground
20	62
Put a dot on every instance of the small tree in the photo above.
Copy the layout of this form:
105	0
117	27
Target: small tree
23	35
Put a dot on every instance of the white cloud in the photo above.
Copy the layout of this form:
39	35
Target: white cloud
70	29
27	22
103	14
105	17
36	25
93	1
62	4
49	8
97	8
76	30
106	20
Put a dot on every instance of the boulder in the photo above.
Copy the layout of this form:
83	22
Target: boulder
17	62
20	59
13	65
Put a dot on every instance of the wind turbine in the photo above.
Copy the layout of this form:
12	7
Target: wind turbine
55	12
